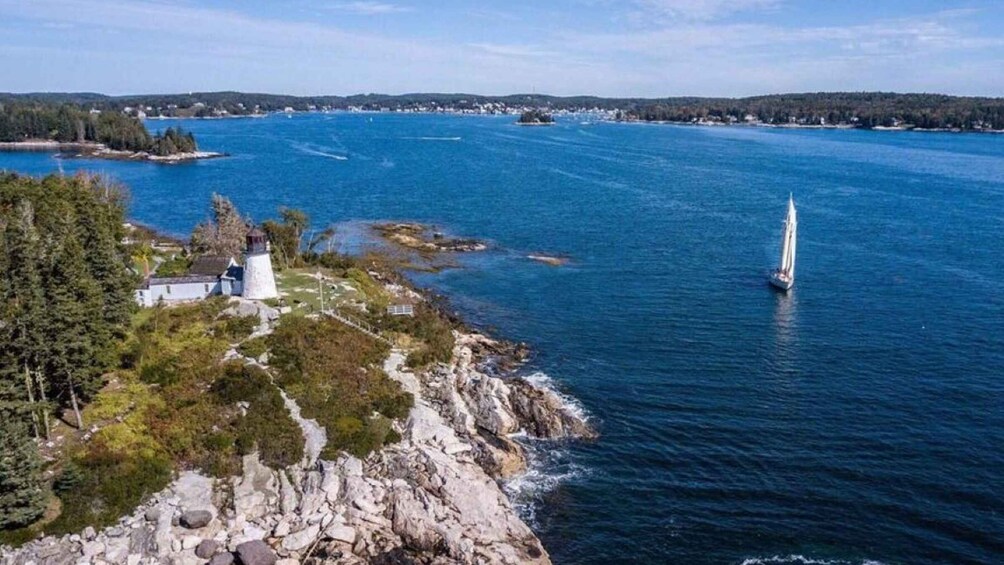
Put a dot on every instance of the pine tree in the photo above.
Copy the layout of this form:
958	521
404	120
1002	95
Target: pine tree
25	308
99	219
80	340
22	499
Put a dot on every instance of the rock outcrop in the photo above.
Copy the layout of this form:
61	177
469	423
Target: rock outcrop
432	498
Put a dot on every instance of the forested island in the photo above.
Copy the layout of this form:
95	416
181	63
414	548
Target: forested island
109	134
535	118
822	109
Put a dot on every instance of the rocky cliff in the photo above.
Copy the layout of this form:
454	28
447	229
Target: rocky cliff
431	498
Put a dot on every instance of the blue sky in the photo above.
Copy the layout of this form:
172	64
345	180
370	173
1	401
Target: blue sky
565	47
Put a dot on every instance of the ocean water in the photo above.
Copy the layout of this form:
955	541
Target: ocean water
857	419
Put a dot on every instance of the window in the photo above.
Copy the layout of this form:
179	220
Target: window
207	289
168	289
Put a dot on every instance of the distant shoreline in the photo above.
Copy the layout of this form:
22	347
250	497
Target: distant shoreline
100	151
810	126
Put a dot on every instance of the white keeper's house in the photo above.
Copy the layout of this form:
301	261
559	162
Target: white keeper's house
217	275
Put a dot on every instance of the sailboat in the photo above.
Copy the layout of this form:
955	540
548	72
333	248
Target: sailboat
784	276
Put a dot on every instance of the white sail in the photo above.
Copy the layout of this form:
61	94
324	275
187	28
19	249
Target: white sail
789	236
784	276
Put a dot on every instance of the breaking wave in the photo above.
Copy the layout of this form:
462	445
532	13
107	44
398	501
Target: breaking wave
549	462
548	466
544	381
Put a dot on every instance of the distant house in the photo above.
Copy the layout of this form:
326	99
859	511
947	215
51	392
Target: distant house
216	275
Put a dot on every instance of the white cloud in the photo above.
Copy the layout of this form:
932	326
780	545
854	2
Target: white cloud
701	10
367	8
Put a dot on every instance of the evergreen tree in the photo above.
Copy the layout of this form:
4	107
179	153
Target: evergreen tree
80	341
100	217
22	499
25	308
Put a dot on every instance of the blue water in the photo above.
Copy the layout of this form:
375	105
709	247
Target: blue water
858	419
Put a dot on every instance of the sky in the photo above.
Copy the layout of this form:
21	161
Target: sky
644	48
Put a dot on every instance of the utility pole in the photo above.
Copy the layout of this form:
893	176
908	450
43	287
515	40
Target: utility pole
320	288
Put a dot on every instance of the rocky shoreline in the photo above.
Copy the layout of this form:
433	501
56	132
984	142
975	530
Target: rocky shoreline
100	151
432	498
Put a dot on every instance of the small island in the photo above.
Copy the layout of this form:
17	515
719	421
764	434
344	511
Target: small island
425	239
535	117
91	133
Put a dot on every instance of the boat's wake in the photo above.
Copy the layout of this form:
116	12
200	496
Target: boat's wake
311	149
796	559
433	138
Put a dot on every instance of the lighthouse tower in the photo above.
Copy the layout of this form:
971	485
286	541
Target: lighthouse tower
259	282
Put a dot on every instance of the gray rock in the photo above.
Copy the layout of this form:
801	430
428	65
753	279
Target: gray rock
194	519
89	533
207	548
255	552
152	514
222	559
302	539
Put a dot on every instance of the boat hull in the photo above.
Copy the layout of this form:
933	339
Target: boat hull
780	282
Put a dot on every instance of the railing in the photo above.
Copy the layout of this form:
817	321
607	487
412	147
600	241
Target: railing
357	324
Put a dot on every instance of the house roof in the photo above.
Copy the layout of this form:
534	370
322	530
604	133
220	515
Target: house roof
187	279
210	265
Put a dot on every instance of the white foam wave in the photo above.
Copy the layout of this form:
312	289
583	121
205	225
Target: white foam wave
547	468
796	559
544	381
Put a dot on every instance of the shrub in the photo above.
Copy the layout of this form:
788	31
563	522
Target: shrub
254	347
334	374
236	328
108	486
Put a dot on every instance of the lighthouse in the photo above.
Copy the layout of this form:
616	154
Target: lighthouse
259	282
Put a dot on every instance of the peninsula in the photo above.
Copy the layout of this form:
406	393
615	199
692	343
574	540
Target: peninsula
321	423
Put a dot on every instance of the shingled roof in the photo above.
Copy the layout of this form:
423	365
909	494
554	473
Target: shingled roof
210	265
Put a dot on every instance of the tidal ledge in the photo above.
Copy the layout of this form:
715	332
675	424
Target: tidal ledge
100	151
425	239
433	497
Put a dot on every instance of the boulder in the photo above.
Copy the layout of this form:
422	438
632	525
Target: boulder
255	552
93	548
222	559
342	533
207	548
195	519
302	539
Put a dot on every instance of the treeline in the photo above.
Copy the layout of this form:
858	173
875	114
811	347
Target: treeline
67	123
867	110
65	305
859	109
